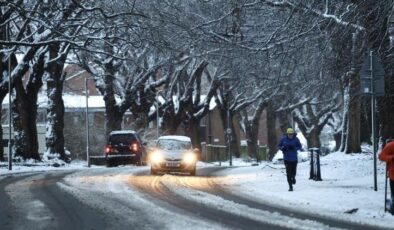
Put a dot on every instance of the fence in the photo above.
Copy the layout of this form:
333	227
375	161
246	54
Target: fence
262	153
41	130
212	153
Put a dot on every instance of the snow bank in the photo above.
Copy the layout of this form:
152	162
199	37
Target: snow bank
347	184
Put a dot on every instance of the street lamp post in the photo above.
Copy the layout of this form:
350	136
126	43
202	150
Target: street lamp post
157	119
228	133
87	122
9	106
157	115
373	118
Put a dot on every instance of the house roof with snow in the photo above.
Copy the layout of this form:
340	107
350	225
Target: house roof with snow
72	101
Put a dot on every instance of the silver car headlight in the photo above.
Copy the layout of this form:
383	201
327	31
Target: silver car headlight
156	157
189	158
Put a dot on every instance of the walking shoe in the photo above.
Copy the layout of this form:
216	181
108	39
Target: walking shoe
294	180
290	189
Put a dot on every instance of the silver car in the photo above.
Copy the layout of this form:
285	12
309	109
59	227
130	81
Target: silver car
173	154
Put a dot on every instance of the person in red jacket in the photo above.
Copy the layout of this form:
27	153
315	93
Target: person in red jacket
387	155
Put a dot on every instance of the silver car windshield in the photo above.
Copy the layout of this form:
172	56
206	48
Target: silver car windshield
168	144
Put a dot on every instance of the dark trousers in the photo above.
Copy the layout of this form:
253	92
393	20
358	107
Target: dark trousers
291	171
392	190
391	210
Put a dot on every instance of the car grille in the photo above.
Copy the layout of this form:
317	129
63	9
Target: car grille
172	162
172	159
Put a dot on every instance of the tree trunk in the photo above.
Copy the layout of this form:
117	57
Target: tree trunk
113	114
55	110
234	141
170	124
353	143
365	121
25	113
1	135
345	118
170	120
32	135
193	130
3	90
141	122
24	108
55	123
252	130
271	130
113	119
32	89
229	126
313	139
353	128
252	137
337	138
284	122
19	117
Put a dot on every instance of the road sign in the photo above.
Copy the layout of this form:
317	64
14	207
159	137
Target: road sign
372	84
372	71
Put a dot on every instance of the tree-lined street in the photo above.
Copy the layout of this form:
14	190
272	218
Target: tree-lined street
219	82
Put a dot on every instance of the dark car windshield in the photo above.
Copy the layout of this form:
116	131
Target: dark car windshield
169	144
125	139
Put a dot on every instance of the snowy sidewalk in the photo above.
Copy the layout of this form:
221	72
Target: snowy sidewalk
347	185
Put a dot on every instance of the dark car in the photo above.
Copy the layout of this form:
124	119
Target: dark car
125	147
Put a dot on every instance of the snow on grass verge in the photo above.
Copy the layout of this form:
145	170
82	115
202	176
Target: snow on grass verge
347	185
31	166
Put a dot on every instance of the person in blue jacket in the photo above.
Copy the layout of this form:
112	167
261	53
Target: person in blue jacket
289	145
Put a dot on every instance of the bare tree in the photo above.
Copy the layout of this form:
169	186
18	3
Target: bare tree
25	111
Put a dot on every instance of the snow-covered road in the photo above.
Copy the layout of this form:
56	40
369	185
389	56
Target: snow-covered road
128	197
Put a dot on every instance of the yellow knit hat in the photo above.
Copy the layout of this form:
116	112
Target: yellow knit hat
290	131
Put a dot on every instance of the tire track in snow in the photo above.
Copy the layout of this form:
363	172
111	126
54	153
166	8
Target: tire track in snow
109	191
9	215
157	188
